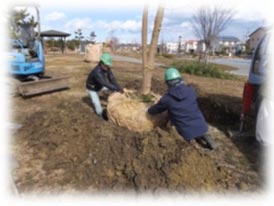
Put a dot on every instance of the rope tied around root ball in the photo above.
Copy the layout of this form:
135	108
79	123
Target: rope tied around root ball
130	110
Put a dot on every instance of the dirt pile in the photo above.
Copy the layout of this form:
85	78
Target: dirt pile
74	149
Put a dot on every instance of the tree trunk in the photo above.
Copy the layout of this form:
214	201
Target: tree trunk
206	56
144	46
207	51
148	59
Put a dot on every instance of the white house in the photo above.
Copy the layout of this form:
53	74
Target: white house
173	48
191	46
226	44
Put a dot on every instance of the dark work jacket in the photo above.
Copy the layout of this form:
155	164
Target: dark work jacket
183	111
98	78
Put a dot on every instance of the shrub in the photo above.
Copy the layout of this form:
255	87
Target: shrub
202	69
167	55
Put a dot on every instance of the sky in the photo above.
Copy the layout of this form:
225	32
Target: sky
122	19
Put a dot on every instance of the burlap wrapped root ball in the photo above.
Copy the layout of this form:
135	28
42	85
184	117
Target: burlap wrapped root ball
127	111
93	52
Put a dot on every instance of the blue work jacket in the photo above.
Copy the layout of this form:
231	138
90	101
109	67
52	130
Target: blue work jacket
183	111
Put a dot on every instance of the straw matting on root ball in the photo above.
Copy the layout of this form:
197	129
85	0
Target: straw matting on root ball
93	52
130	110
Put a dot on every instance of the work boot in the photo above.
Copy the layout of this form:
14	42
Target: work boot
209	142
194	144
203	142
104	115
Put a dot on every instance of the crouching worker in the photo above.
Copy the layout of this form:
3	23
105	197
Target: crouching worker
183	111
101	78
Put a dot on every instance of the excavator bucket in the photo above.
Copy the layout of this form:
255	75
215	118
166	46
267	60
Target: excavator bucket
43	86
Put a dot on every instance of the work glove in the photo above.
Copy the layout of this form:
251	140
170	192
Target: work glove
121	90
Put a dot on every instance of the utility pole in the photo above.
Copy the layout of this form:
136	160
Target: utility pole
179	47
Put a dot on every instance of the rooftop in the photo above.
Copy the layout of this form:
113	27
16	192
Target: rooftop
54	33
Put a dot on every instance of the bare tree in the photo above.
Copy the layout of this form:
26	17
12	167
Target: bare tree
18	18
208	23
114	42
149	54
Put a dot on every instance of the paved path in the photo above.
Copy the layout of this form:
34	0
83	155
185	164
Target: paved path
126	59
242	65
130	59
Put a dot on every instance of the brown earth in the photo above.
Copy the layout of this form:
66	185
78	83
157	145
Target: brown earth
63	147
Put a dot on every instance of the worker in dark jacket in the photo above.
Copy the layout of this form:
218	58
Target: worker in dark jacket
183	111
101	78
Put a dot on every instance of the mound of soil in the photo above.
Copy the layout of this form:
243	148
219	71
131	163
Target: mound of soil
75	149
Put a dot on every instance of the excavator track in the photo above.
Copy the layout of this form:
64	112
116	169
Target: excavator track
27	89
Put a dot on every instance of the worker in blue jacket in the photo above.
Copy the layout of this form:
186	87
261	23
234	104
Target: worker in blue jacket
183	111
101	78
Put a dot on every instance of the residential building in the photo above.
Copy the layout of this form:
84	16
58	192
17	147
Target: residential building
226	45
255	37
128	47
191	46
173	48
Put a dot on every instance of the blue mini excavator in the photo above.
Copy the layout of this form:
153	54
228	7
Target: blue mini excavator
27	62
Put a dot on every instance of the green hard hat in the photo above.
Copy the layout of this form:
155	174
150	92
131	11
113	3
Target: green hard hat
172	73
106	59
